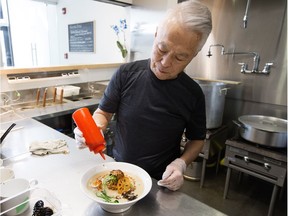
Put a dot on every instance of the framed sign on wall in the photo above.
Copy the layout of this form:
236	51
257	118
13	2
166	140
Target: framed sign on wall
82	37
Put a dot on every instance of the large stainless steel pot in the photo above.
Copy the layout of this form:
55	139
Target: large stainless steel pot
264	130
215	93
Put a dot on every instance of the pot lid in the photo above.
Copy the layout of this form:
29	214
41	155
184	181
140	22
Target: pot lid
266	123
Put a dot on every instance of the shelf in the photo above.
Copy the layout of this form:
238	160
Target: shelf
15	70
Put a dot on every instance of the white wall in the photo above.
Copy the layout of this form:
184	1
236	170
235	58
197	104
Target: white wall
104	15
35	22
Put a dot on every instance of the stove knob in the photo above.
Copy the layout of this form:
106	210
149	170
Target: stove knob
246	159
267	166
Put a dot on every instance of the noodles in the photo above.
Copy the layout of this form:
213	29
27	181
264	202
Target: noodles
116	186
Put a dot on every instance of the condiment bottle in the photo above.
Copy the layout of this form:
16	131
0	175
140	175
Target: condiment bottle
94	138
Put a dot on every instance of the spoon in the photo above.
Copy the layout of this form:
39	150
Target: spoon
6	133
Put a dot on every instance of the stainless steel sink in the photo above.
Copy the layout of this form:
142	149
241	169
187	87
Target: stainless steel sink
85	96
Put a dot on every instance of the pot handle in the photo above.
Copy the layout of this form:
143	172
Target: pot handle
224	90
239	124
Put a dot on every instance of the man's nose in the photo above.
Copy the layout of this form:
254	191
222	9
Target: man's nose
167	60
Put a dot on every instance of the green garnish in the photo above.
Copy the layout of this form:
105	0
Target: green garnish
105	197
110	179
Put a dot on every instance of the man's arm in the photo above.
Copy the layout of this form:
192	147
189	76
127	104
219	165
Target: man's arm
191	150
102	118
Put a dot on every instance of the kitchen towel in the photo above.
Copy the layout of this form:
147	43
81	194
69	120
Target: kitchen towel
49	147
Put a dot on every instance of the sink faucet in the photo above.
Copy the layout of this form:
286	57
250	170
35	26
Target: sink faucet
5	99
244	66
256	60
267	67
215	45
245	18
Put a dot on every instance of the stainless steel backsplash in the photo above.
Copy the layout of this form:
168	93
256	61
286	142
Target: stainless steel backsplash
265	34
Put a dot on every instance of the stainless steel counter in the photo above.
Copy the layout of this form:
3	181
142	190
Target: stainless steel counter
61	174
161	201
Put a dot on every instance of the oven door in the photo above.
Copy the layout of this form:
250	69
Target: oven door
274	170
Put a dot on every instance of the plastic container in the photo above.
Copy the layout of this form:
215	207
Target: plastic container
14	195
68	90
36	194
94	138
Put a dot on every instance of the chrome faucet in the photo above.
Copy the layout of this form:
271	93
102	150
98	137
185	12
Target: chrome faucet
215	45
244	66
267	67
245	18
256	61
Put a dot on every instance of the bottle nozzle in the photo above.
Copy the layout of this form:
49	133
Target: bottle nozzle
99	149
102	155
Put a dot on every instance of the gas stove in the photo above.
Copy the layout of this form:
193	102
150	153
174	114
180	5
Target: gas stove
266	163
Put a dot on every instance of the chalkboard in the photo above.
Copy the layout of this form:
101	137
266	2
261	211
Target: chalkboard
81	37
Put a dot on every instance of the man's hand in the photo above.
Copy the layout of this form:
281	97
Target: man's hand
80	140
172	178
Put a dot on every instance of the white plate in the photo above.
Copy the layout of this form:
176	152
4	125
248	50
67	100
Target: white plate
125	167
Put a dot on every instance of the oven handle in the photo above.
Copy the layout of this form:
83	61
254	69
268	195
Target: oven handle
267	166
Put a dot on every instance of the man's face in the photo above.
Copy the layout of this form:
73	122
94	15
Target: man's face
173	49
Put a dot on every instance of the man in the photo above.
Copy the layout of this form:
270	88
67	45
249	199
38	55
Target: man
155	101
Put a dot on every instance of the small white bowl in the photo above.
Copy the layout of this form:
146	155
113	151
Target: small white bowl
16	193
126	168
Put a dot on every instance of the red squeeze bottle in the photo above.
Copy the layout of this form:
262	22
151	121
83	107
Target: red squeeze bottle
92	134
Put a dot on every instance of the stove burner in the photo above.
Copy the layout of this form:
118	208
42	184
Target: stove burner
268	148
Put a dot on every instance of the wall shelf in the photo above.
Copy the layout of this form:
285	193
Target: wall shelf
15	70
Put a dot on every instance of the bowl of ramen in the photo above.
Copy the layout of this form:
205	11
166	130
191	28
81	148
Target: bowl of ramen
116	186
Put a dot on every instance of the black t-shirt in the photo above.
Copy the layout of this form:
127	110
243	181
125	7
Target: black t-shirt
152	115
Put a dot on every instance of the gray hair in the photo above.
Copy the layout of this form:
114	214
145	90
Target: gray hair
194	16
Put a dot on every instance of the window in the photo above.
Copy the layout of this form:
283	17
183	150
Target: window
6	53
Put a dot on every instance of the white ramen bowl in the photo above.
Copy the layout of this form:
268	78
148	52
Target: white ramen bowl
126	168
